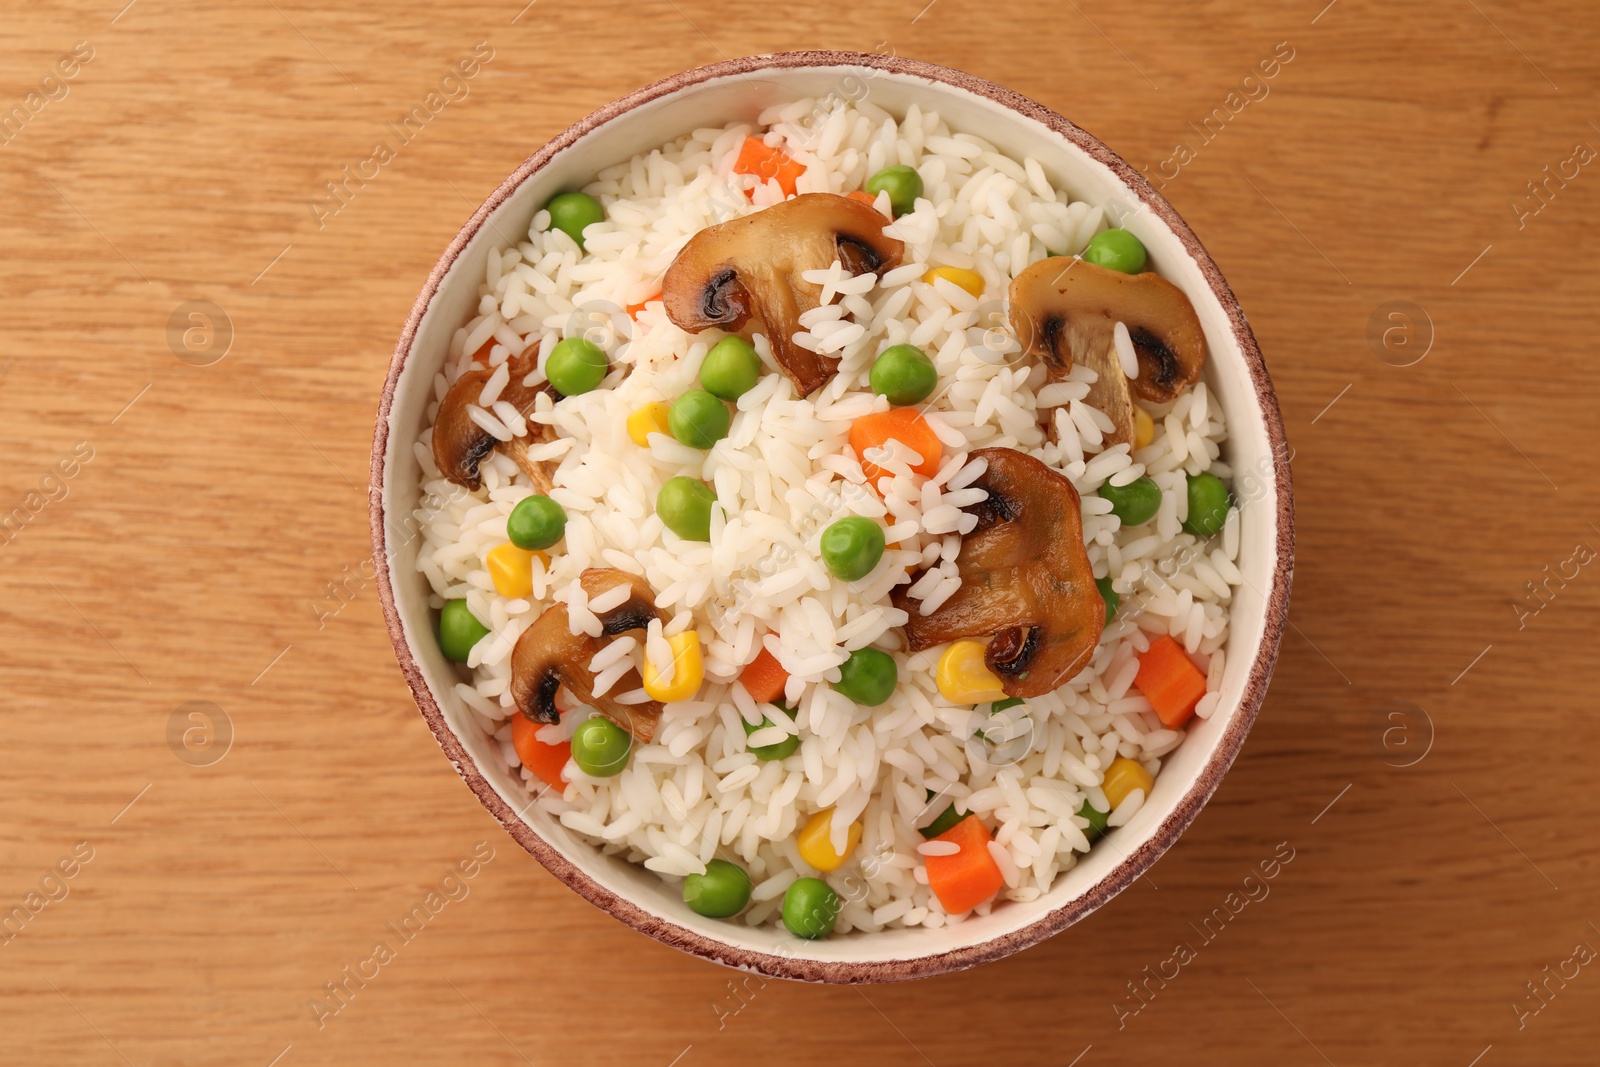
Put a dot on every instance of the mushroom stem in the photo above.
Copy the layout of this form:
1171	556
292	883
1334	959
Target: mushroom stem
538	471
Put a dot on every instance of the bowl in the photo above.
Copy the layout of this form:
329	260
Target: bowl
738	90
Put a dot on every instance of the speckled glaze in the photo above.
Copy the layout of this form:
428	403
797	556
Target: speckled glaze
804	960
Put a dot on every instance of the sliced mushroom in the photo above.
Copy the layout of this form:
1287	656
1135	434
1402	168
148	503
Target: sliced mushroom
549	655
749	270
459	444
1026	582
1065	310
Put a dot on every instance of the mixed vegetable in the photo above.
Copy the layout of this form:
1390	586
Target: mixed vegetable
1029	612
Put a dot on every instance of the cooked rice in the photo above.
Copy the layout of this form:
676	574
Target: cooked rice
781	475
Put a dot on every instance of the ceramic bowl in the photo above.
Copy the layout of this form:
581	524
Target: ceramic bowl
738	90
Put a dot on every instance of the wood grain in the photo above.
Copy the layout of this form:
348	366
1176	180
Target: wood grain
189	559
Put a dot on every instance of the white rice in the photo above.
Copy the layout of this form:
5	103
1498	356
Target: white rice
782	474
1122	341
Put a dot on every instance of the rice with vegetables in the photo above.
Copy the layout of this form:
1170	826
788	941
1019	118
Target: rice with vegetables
828	515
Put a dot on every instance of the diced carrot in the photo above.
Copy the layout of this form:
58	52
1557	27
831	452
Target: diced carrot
764	678
634	309
766	163
968	878
866	198
1170	681
905	425
545	761
482	354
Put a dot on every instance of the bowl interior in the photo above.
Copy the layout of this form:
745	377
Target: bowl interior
655	116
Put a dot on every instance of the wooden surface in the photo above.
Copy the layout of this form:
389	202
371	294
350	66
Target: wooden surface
190	558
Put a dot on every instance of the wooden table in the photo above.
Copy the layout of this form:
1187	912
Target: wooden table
1426	750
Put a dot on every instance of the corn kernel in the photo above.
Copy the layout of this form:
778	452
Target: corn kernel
511	570
1144	428
688	670
963	676
652	418
970	280
815	841
1122	778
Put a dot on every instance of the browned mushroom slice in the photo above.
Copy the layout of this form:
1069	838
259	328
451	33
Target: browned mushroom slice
459	444
1065	310
549	655
1026	582
749	270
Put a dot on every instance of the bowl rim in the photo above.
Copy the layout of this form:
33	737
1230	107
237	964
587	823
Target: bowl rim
1131	866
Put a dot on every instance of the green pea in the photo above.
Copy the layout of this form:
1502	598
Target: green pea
576	365
852	547
459	630
685	506
1116	250
783	749
947	818
868	677
1135	503
731	369
902	183
1109	595
698	419
810	908
1208	505
571	212
1097	820
536	522
904	374
721	892
600	747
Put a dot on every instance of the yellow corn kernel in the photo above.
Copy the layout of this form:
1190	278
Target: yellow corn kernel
970	280
816	845
652	418
511	570
688	670
1122	778
1144	428
964	678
